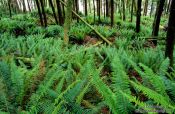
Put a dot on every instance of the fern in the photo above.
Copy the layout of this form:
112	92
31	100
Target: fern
120	82
158	98
108	95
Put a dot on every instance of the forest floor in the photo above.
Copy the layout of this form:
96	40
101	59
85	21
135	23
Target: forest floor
38	74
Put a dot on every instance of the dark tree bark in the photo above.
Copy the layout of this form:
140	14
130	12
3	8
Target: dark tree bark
139	4
132	7
171	34
63	11
98	11
24	6
159	10
123	7
112	13
77	8
107	8
94	10
146	7
53	10
39	12
43	12
28	5
152	3
85	7
9	5
59	12
168	7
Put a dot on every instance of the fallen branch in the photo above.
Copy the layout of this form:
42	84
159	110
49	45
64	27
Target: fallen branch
153	38
101	36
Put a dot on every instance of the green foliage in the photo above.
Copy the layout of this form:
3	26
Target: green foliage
38	74
79	31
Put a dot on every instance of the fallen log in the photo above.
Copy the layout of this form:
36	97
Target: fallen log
101	36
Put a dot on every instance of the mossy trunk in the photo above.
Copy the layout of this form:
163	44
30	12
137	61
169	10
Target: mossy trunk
67	23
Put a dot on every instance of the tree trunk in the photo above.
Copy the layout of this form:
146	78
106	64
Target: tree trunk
123	7
139	5
159	10
112	13
39	12
85	6
171	34
107	8
132	7
53	10
98	11
67	21
59	12
9	5
146	7
169	4
24	6
152	3
77	8
28	5
94	10
44	14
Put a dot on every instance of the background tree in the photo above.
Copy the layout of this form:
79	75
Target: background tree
60	16
43	12
67	23
145	7
159	10
171	34
112	13
85	7
53	10
123	9
139	5
39	12
9	5
132	8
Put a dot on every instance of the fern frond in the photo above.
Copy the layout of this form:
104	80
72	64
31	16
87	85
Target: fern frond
120	81
156	97
108	95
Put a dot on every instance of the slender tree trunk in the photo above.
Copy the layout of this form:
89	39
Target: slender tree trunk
67	21
132	7
171	34
59	12
98	11
123	7
139	4
24	6
152	3
53	10
28	5
9	5
85	6
107	8
39	12
44	14
77	8
89	1
169	4
120	12
63	10
112	13
94	10
146	7
159	10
